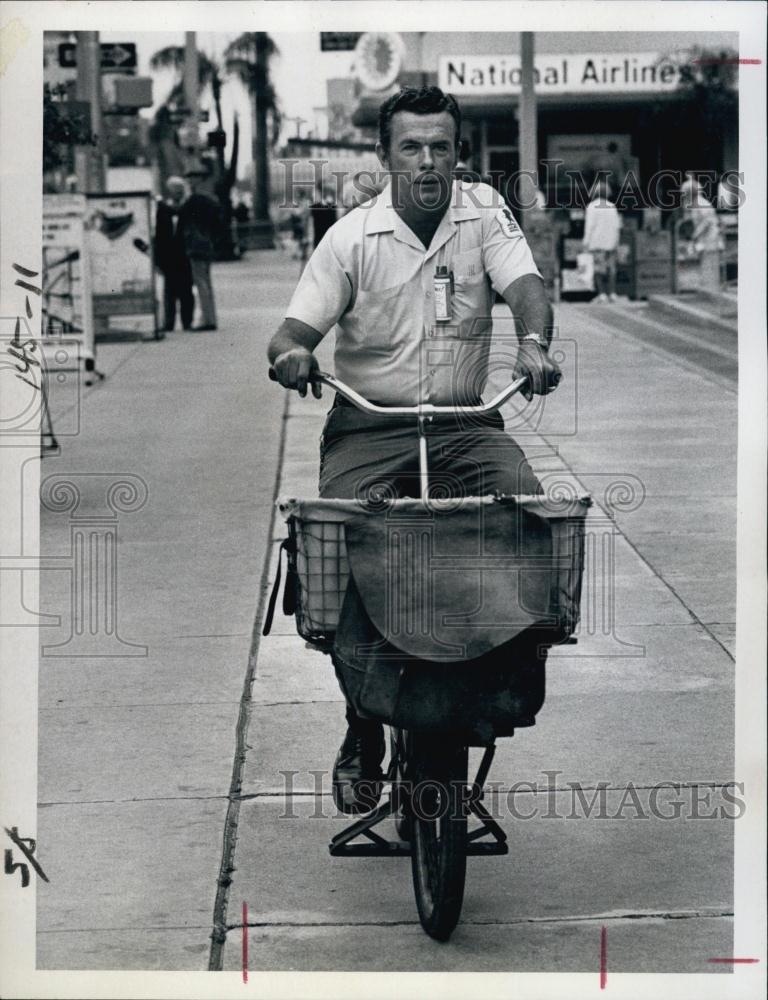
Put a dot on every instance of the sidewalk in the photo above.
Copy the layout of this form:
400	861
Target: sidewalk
142	758
652	704
136	752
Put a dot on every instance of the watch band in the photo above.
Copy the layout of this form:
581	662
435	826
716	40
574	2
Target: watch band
534	336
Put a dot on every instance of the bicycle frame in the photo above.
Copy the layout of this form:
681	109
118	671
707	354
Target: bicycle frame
422	411
438	888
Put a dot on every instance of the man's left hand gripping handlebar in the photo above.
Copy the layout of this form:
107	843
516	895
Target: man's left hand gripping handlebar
537	366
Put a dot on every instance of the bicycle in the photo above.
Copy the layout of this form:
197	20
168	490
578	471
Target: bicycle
430	798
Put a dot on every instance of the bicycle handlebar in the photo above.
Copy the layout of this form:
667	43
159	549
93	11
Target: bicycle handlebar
419	409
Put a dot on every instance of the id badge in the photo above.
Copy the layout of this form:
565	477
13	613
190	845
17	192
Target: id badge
443	286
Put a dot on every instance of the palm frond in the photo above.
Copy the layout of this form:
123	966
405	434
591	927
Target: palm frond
247	45
173	57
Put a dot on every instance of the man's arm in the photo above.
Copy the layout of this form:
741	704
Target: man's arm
528	301
290	354
589	225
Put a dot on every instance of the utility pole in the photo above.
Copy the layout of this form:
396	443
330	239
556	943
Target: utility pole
263	227
190	130
89	160
529	155
191	74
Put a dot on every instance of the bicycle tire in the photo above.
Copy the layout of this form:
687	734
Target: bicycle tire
402	815
437	771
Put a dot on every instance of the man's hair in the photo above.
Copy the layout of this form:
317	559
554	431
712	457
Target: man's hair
419	101
177	182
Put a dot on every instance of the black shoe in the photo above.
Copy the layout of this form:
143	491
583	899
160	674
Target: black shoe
357	774
204	326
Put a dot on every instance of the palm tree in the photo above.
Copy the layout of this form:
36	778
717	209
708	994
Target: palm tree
248	57
209	75
208	70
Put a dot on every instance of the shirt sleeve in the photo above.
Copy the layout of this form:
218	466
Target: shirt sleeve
506	254
324	289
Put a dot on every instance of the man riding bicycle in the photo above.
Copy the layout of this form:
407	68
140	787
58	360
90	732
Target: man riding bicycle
409	278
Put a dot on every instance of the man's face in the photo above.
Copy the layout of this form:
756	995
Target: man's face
176	193
421	156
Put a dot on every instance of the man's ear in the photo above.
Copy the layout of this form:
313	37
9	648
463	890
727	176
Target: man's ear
382	155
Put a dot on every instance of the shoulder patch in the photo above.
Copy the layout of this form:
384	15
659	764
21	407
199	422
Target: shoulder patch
507	224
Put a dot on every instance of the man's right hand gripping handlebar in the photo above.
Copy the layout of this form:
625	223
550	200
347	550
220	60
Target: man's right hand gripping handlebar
295	369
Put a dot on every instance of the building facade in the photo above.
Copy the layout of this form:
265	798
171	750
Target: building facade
625	101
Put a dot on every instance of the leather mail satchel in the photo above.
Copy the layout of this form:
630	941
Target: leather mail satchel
438	625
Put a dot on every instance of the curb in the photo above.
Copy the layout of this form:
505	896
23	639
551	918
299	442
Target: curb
671	307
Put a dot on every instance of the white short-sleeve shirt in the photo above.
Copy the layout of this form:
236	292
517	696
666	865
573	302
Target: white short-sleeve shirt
373	279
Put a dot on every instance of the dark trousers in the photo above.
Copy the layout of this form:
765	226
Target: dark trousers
364	456
177	287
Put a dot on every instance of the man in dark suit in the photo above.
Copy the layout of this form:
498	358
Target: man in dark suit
171	257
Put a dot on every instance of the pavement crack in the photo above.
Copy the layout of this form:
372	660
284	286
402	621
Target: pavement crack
143	798
654	347
210	635
227	866
101	928
603	918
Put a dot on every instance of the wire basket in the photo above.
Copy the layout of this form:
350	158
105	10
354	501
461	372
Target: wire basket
319	552
319	569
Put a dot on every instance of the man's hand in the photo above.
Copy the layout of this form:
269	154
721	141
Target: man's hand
542	372
294	369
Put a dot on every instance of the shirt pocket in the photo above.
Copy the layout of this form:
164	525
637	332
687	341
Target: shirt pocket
381	326
468	266
471	301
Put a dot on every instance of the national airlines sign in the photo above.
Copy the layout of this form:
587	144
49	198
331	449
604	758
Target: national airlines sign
596	73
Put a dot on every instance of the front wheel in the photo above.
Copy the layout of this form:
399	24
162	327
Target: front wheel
437	773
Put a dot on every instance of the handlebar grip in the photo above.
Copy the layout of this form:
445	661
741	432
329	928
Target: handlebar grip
316	377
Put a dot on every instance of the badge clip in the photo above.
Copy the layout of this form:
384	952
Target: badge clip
443	282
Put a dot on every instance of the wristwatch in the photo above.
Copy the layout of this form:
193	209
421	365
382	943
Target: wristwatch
539	340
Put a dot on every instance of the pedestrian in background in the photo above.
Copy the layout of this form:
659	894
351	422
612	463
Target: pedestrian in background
602	229
463	170
299	222
201	225
324	214
171	257
706	236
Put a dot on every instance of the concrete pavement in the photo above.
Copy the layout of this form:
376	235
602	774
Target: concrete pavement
651	703
136	752
163	773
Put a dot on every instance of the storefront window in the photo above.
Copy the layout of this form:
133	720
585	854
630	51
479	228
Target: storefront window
502	131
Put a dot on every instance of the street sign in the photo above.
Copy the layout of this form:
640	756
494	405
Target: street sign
133	91
338	41
115	56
